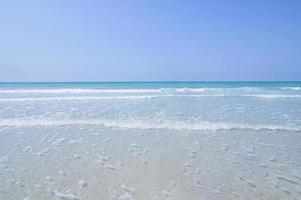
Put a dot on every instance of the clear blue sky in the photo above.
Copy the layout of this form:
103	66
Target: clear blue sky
151	40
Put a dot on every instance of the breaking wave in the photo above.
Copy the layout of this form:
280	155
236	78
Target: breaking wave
147	90
76	98
144	124
291	88
139	97
159	90
76	91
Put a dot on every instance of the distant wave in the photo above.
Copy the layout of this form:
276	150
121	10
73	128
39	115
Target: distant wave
144	90
80	91
76	98
100	91
140	97
244	95
291	88
159	90
144	124
71	94
76	91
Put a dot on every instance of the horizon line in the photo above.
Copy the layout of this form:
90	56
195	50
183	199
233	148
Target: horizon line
182	81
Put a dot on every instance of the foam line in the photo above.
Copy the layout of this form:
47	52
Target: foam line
71	98
144	124
137	97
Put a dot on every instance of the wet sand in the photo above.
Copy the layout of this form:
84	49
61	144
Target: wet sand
96	162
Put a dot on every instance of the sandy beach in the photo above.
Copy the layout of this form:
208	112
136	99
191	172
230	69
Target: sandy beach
94	162
150	143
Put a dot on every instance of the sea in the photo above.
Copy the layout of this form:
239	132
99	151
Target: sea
150	140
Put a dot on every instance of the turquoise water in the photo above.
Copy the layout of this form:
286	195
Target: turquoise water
191	105
150	140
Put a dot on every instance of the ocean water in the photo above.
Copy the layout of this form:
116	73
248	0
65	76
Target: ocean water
150	140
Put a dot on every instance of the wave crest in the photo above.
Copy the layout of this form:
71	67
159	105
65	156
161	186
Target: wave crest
144	125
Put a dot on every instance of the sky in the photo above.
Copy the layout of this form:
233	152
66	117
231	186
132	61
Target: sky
150	40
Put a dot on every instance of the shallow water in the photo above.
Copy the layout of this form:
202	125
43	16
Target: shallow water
150	141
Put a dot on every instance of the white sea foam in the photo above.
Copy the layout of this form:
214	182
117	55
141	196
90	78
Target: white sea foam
144	124
78	98
274	96
76	91
159	90
241	95
79	90
103	94
291	88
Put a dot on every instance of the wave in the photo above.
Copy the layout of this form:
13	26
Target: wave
76	98
77	91
100	91
139	97
291	88
244	95
145	124
159	90
244	89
